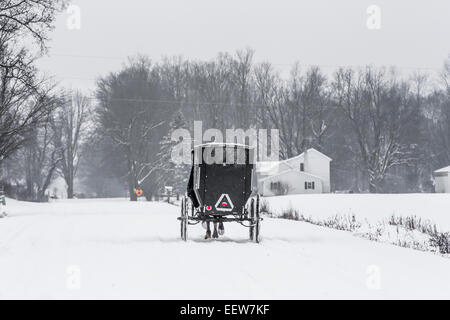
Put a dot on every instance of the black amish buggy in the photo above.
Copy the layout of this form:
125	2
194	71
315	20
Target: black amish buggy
221	188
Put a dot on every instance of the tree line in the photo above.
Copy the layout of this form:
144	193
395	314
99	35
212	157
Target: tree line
385	132
41	126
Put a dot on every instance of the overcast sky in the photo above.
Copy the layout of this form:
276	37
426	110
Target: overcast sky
413	34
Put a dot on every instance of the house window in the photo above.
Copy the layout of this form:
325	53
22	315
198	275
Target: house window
302	166
310	185
275	186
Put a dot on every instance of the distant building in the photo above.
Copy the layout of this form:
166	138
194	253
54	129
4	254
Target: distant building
308	172
2	204
442	180
57	189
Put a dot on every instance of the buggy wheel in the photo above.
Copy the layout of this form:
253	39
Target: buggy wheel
184	219
252	215
257	222
257	229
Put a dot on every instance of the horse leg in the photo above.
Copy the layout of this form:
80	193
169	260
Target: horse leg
208	231
215	234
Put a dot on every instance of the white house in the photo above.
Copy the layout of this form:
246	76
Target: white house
308	172
442	180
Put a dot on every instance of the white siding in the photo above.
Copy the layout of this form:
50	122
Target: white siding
295	181
294	163
316	169
278	168
318	165
442	184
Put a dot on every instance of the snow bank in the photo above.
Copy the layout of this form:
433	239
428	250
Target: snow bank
418	221
371	208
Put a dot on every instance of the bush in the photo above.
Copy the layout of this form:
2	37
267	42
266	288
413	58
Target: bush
290	214
414	223
406	234
344	223
442	242
438	240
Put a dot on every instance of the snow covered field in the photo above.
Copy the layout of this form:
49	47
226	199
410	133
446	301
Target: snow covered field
370	207
117	249
418	221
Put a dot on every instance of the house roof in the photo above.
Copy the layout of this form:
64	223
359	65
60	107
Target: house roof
312	150
265	166
446	169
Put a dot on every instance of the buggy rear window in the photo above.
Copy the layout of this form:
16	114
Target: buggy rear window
224	155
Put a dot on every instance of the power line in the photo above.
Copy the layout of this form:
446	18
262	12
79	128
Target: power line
85	56
73	78
224	104
337	66
180	102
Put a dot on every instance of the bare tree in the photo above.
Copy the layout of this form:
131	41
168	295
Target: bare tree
38	161
130	112
241	73
211	91
21	18
70	126
444	125
298	108
24	102
266	87
24	99
438	115
307	97
378	110
446	75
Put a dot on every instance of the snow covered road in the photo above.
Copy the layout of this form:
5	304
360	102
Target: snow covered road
117	249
